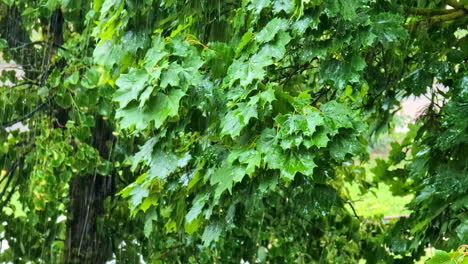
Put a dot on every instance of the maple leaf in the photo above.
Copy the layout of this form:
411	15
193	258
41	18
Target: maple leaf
130	86
225	177
158	109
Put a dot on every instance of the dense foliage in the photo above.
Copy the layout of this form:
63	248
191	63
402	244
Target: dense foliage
219	131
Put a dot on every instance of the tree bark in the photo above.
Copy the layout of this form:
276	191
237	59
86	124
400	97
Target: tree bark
85	243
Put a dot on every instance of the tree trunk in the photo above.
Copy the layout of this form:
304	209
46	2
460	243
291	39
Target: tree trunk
85	242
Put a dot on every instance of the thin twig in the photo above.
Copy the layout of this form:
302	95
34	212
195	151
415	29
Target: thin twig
8	173
41	43
352	208
10	178
18	181
24	83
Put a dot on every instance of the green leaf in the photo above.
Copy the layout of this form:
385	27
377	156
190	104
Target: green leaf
145	95
267	139
271	29
64	99
267	96
138	192
108	54
155	53
293	124
250	70
255	67
171	75
274	157
3	44
219	57
212	233
249	157
319	139
388	27
338	115
91	78
459	34
148	228
269	182
277	49
300	26
163	164
262	254
150	201
258	5
237	119
192	227
225	177
74	78
144	154
289	142
246	38
283	5
462	230
314	119
53	4
440	257
298	162
181	48
342	72
342	145
290	163
132	41
130	86
158	109
346	8
418	81
198	204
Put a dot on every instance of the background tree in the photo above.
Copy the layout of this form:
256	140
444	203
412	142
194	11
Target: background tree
208	131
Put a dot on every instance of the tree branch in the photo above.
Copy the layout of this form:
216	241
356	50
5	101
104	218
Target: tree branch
9	172
41	43
28	115
454	4
352	208
451	16
24	83
17	164
428	11
8	176
458	16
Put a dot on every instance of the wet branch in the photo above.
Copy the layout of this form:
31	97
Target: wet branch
41	43
19	164
27	116
352	208
8	176
447	17
437	15
428	11
24	83
454	4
